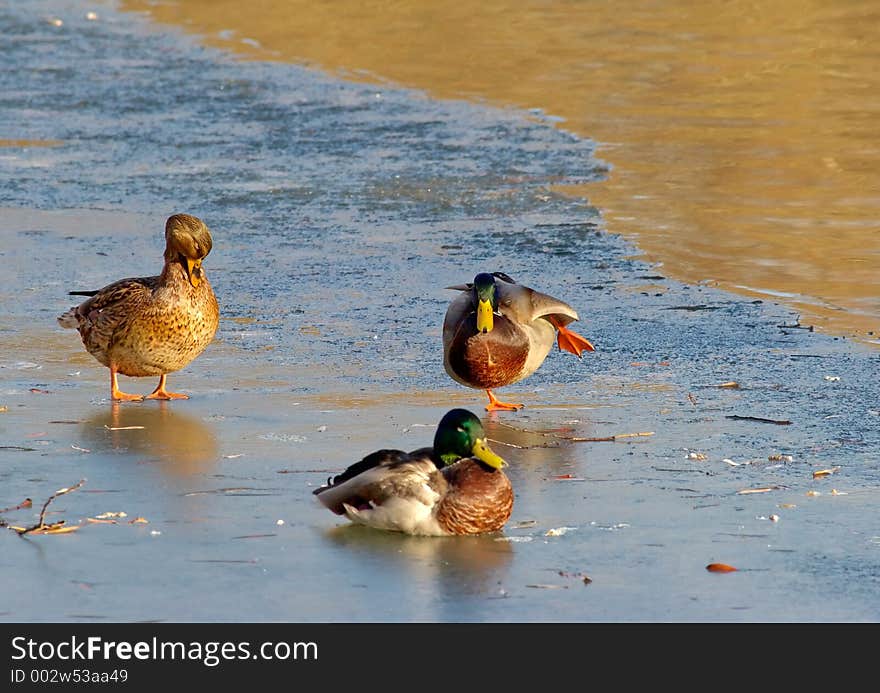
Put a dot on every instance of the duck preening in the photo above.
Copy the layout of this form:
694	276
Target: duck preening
153	326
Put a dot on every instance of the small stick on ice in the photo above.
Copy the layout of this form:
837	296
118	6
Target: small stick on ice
40	523
617	436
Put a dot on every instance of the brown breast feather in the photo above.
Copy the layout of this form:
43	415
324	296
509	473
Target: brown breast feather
491	359
478	500
149	325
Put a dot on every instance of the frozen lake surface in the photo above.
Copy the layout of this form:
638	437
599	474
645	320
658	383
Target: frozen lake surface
340	212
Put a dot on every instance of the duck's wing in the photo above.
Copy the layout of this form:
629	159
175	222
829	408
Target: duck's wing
108	307
380	458
100	318
380	477
525	305
458	310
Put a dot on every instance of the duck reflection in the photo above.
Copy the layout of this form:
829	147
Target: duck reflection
540	432
181	444
456	566
536	450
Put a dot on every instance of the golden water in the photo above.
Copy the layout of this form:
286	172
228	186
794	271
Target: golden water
744	137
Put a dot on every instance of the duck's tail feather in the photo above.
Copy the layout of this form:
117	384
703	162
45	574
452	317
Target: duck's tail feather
68	320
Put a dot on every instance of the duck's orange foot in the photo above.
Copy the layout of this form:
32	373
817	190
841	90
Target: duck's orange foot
118	396
164	394
161	393
497	405
571	341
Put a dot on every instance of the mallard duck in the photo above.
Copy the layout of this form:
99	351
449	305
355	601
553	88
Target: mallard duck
497	332
455	487
151	326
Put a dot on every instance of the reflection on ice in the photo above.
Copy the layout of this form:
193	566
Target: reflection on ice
182	444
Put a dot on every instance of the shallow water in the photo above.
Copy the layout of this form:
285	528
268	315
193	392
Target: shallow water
339	213
742	136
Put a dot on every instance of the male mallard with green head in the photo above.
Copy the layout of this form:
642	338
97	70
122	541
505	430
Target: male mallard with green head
150	326
497	332
455	487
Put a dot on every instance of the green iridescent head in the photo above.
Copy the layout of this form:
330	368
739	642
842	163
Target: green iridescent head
459	435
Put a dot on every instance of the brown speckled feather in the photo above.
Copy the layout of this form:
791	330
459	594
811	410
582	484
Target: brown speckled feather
148	326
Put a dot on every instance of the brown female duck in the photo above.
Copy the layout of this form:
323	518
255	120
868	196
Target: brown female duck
153	326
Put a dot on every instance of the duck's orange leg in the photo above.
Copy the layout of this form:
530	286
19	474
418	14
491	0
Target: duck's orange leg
497	405
161	393
116	394
570	341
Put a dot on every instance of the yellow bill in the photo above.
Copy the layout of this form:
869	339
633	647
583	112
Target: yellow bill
484	316
482	452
